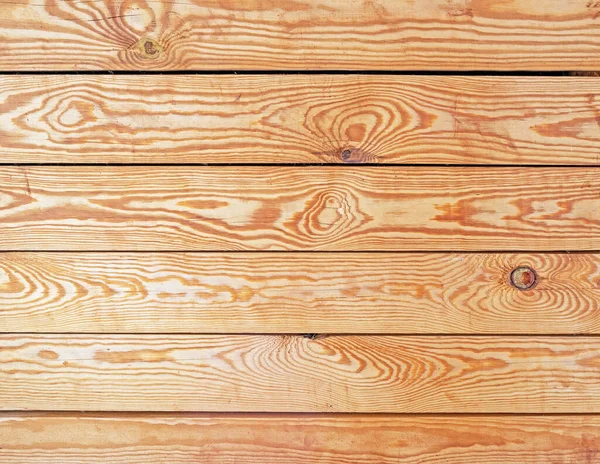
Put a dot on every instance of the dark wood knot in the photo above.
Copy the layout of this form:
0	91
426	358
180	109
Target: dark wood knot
523	278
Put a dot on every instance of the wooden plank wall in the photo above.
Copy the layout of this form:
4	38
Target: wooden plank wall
390	255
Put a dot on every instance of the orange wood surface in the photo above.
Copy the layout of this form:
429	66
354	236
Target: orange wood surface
334	231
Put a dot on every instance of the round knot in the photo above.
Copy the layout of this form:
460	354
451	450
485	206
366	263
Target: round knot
523	278
149	48
353	155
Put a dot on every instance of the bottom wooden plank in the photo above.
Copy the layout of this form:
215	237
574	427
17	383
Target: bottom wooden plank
241	438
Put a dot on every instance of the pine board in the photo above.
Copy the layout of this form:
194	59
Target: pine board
386	293
291	373
345	208
61	438
339	119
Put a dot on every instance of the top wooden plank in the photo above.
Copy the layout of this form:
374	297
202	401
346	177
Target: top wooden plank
300	34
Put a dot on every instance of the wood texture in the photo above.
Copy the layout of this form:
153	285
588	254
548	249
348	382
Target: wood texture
274	439
300	34
265	373
299	119
297	293
298	208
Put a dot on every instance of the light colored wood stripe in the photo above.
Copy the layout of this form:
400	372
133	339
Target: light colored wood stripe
299	119
300	34
274	373
297	293
299	208
289	439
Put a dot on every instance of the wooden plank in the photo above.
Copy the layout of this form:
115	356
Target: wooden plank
285	373
300	34
298	119
391	293
293	439
177	208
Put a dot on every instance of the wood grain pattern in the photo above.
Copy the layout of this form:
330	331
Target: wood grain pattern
297	293
299	119
274	373
298	208
274	439
299	34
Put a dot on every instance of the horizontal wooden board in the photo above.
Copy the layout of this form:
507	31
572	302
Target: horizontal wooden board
300	34
293	373
297	293
299	119
273	439
180	208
